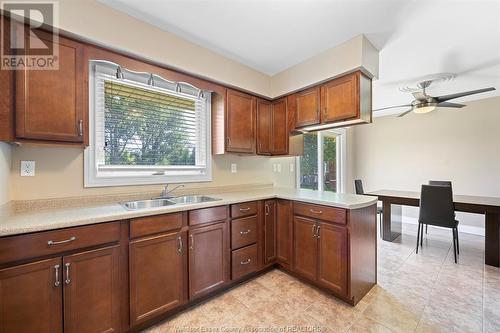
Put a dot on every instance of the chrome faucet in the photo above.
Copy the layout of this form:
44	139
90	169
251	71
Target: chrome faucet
165	191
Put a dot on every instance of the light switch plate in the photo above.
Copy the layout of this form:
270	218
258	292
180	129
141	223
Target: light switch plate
279	167
27	168
234	168
291	167
274	167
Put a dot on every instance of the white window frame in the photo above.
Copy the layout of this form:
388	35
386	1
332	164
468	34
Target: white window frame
141	175
340	134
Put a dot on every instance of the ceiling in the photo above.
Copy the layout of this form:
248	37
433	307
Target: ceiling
416	38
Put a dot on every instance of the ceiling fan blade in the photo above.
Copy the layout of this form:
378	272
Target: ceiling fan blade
392	107
450	105
405	113
462	94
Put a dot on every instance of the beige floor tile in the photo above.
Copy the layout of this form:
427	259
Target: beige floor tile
366	325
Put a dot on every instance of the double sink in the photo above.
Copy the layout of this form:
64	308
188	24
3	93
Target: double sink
163	202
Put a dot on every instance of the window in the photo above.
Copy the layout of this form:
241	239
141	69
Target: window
145	129
320	168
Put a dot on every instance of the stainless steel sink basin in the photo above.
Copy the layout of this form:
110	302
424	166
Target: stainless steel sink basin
141	204
163	202
191	199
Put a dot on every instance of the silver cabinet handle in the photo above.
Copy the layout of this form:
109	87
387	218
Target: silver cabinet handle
267	210
318	231
246	262
68	280
228	142
245	232
244	209
69	240
179	244
80	127
314	230
191	245
316	211
57	282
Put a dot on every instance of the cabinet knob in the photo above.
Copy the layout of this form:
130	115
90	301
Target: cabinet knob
314	230
179	244
68	280
246	262
57	282
245	232
191	238
80	127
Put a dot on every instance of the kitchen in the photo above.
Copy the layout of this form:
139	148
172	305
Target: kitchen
260	214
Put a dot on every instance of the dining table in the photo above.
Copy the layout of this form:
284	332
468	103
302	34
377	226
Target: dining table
393	200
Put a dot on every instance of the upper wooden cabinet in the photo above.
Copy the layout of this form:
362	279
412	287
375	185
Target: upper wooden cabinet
272	127
240	122
49	104
307	107
340	98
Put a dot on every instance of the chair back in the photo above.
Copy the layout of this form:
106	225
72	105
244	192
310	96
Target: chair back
358	186
441	183
436	206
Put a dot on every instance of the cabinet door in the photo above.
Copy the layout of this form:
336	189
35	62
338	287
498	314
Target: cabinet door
307	108
92	291
49	103
340	98
208	259
332	258
269	231
305	247
158	272
31	297
284	231
240	122
264	127
279	140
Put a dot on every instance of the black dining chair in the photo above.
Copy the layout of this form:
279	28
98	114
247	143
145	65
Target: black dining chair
436	208
358	186
439	183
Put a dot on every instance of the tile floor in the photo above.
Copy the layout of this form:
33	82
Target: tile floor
415	293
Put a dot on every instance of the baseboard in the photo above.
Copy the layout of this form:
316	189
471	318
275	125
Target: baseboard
468	229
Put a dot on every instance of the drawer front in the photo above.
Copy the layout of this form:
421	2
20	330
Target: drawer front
150	225
243	232
207	215
244	209
53	242
325	213
244	261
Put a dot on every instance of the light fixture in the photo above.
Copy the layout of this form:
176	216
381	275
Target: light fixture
424	107
119	73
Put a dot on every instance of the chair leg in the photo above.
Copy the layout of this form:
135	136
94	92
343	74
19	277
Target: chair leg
422	236
426	226
380	223
458	246
454	245
418	237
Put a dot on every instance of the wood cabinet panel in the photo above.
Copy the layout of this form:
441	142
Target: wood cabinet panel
340	98
240	122
208	260
49	103
150	225
333	257
92	291
243	232
279	141
307	107
244	209
284	229
325	213
31	300
157	275
244	261
207	215
269	231
264	127
305	247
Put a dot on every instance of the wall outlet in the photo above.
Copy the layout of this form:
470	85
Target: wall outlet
274	167
279	167
291	167
27	168
234	168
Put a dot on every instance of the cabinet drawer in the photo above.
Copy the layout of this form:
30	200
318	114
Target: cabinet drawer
207	215
244	261
52	242
243	232
155	224
325	213
244	209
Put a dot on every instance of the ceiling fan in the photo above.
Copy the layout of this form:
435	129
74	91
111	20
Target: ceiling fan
424	103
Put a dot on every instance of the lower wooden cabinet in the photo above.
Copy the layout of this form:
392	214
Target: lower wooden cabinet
158	274
305	247
269	231
31	297
284	232
85	287
332	257
208	259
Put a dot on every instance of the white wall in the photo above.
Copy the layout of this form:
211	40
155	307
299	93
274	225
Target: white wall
461	145
5	163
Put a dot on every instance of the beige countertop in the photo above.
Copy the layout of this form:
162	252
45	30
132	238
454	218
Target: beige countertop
18	222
